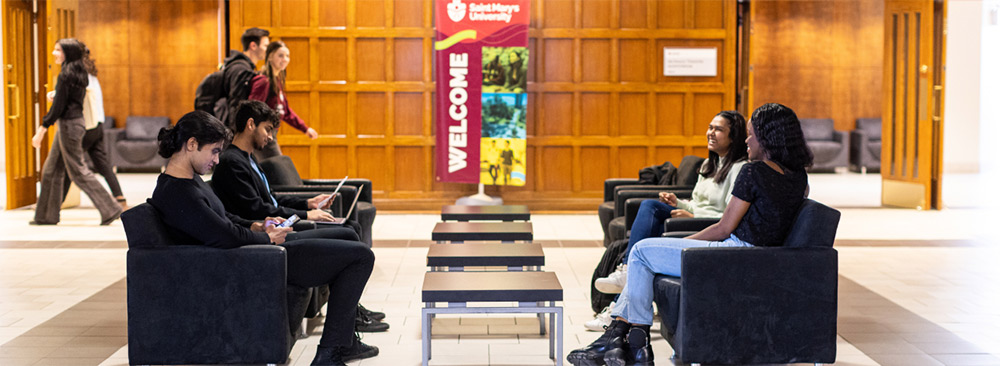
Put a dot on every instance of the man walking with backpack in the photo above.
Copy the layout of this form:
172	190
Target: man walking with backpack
221	91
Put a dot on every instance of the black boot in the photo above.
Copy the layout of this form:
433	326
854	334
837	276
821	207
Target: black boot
636	351
593	355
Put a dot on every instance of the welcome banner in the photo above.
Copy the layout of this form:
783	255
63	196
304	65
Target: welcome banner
482	67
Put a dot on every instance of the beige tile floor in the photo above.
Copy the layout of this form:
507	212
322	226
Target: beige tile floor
917	287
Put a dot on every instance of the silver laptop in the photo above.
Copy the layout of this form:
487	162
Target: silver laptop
342	220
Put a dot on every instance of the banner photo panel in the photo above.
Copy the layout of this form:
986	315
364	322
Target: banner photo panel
482	66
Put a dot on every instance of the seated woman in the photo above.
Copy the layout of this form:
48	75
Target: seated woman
766	196
727	152
191	210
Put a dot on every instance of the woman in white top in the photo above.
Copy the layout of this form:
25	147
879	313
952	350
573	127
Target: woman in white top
727	152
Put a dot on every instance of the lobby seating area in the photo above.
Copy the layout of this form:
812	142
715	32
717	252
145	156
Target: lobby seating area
65	298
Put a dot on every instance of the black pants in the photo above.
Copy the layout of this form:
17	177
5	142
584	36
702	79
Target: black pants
93	145
343	265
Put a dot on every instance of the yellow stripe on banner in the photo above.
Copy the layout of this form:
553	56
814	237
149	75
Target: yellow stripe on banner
455	38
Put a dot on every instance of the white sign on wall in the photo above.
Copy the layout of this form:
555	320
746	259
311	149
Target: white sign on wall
690	61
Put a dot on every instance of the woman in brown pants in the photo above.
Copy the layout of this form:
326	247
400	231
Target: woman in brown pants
67	153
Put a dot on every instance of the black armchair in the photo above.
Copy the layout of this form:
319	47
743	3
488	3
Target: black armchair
284	179
829	146
190	304
613	207
135	146
866	145
757	305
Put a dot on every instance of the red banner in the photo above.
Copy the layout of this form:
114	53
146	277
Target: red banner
481	61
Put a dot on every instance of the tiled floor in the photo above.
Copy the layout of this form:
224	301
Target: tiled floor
917	287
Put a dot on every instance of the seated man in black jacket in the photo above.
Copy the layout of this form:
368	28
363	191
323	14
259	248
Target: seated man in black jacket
191	211
243	188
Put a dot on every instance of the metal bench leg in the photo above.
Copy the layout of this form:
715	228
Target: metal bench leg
425	319
541	319
552	335
559	335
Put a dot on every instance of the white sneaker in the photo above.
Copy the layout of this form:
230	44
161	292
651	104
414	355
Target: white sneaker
615	282
601	321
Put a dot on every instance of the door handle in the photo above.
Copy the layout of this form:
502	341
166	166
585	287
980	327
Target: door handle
16	94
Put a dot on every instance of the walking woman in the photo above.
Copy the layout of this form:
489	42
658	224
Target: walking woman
269	87
766	197
66	155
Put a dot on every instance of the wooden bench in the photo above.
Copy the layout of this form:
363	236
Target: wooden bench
457	232
455	257
534	292
485	213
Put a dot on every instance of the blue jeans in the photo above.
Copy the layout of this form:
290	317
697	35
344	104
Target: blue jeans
648	223
652	256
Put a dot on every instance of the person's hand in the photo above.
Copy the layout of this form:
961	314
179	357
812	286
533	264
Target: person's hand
680	213
50	95
277	234
312	133
668	198
262	225
319	215
313	203
36	141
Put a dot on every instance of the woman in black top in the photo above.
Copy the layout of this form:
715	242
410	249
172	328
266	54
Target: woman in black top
193	213
766	197
66	156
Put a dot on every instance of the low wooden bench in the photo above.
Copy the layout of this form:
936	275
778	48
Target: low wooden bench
455	257
485	213
534	292
457	232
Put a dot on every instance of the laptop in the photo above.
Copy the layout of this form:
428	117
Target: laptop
342	220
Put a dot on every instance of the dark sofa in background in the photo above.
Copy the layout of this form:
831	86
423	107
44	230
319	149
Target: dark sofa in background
134	146
829	146
866	145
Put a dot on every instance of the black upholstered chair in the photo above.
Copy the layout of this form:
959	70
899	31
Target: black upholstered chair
191	304
866	145
285	179
829	146
757	305
134	147
611	213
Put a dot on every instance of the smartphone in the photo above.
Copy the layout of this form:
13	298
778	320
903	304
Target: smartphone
289	221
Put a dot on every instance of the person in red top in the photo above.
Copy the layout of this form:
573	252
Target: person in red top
269	87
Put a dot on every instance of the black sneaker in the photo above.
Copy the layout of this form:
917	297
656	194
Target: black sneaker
359	350
339	356
363	323
377	315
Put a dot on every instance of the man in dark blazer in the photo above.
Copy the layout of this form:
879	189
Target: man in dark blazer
239	181
244	191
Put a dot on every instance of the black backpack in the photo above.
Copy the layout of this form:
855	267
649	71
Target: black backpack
210	91
613	256
212	95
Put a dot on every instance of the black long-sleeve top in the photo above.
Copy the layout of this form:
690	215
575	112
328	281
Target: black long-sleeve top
194	214
242	190
68	102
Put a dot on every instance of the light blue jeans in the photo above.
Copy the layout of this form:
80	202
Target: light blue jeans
649	257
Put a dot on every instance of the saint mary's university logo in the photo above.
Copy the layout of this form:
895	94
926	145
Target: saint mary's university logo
456	10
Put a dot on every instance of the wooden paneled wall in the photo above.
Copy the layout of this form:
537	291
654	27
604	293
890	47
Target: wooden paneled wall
823	59
150	55
599	105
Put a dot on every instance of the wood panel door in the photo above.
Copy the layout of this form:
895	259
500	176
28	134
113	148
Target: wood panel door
913	89
18	94
62	18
